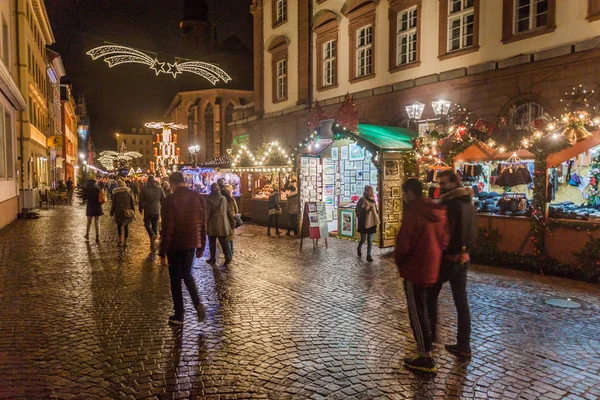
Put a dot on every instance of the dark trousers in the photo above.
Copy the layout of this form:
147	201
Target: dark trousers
293	226
151	224
180	268
456	274
416	300
212	246
273	221
120	229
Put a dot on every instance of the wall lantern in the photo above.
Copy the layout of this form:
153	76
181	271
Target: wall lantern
415	110
441	107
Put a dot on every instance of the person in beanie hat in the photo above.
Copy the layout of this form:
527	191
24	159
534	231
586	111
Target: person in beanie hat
183	237
419	245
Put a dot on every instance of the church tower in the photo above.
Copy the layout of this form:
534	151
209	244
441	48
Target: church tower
195	27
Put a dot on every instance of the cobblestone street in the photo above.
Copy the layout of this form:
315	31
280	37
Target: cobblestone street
86	320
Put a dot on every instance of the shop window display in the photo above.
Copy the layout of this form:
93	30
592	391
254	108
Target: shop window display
263	185
573	187
200	179
502	188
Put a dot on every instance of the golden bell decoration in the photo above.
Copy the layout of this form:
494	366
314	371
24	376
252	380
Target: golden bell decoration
575	134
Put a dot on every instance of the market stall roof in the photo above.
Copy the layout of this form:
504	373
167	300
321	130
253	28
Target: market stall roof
573	151
219	162
480	152
316	148
386	137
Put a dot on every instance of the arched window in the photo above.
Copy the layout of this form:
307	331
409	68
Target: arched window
209	131
191	124
227	141
524	112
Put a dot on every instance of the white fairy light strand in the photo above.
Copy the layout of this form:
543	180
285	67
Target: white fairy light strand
115	55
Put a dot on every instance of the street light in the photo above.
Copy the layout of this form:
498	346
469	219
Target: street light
193	150
415	110
81	156
441	107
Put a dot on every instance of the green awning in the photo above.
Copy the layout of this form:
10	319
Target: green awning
386	137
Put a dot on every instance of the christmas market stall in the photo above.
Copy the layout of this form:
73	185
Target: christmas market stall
200	177
269	168
341	157
536	188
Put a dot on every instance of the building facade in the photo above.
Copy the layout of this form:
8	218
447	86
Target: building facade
488	56
56	144
12	103
140	140
207	113
34	34
69	129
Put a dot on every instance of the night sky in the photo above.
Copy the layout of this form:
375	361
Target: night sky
129	95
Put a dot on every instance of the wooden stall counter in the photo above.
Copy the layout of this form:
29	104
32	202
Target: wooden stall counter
515	232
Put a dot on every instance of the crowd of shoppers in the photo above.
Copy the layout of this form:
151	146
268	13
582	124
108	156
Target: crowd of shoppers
432	246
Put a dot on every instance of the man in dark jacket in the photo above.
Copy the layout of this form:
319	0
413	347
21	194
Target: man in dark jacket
150	198
419	246
462	222
183	234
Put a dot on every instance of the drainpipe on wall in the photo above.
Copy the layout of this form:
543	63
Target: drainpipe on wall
21	133
310	55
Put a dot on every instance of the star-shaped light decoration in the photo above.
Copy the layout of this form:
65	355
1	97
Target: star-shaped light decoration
115	55
158	67
173	69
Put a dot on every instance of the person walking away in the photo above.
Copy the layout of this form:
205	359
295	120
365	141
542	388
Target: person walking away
135	189
165	187
112	185
70	190
419	245
123	210
219	227
183	236
93	208
274	211
367	216
462	221
232	210
149	205
292	209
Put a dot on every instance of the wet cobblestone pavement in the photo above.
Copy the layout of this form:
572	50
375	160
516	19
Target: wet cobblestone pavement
86	321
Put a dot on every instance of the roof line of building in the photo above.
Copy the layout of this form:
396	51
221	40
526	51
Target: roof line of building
42	15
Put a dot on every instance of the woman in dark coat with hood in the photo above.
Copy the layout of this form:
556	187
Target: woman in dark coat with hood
93	209
123	208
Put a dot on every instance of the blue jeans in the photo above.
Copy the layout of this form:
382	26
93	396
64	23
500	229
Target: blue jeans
366	237
212	245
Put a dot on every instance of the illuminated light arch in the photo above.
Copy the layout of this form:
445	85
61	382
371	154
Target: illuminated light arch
275	147
243	151
115	55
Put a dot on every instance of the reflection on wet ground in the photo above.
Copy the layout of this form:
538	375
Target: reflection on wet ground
87	320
